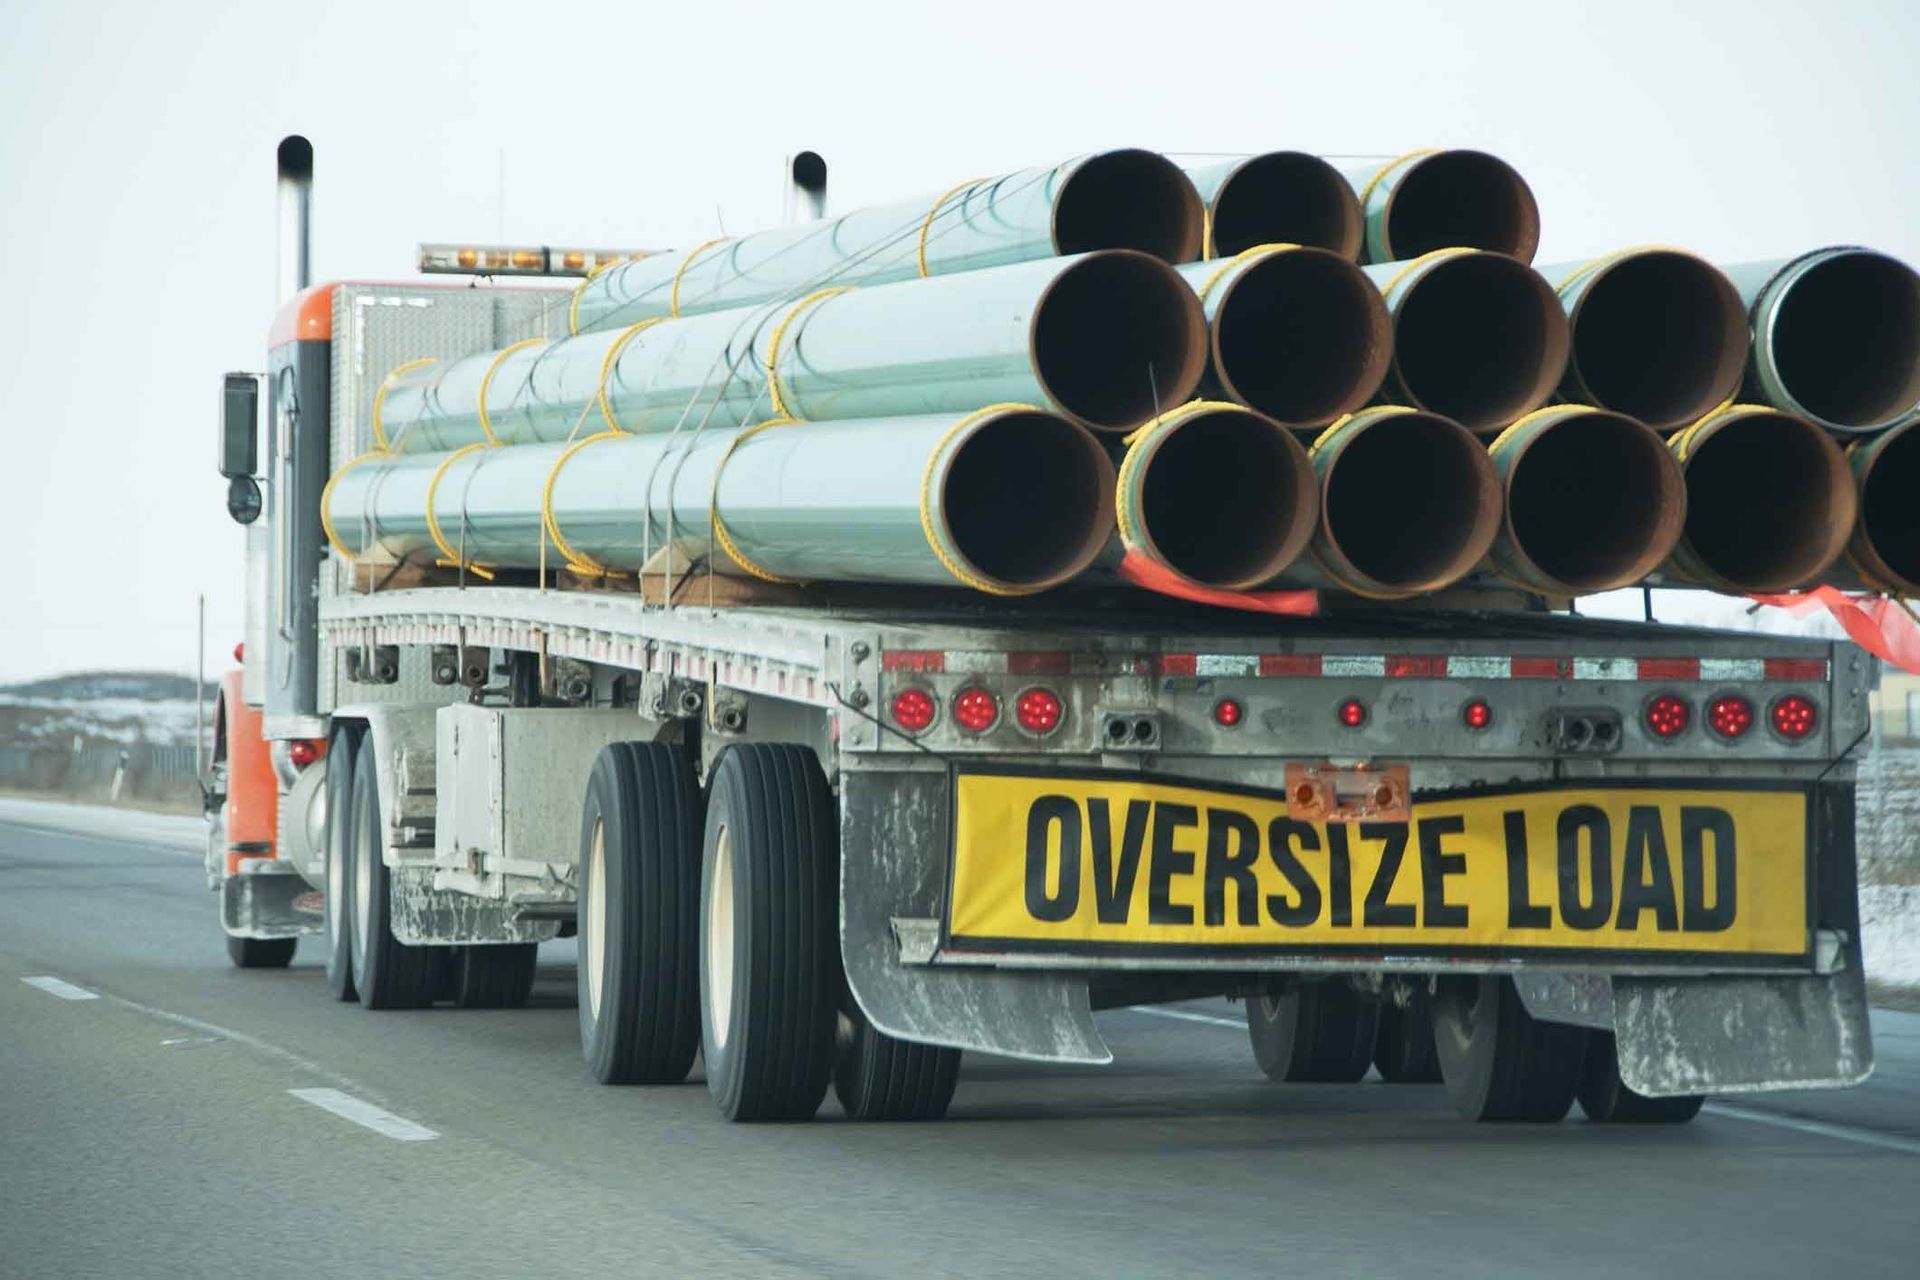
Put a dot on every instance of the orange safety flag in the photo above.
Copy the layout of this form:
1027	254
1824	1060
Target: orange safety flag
1142	572
1878	624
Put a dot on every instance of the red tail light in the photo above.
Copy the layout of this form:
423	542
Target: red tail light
1668	715
303	752
1353	713
1228	713
1037	710
1794	717
975	710
913	709
1477	714
1729	715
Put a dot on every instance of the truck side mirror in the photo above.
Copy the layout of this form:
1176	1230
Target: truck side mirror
239	424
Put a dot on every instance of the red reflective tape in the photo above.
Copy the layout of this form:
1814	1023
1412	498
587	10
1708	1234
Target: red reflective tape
1409	665
1796	668
1668	668
1542	668
930	660
1179	664
1289	664
1037	663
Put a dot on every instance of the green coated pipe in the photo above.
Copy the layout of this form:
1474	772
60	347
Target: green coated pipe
1836	337
1277	197
1770	501
1427	200
1657	334
1478	337
1299	334
1103	338
1592	500
1111	200
1008	500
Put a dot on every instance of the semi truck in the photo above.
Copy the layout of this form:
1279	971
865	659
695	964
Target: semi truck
821	837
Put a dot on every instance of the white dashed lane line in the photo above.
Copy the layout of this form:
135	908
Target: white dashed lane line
365	1114
59	987
1818	1128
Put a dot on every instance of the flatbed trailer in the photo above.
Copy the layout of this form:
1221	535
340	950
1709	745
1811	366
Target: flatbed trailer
841	835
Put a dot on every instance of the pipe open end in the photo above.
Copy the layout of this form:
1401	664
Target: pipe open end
1286	197
1461	198
1770	503
1410	504
1129	200
1026	501
1303	336
1117	337
1595	501
1659	336
1846	340
1227	498
1888	528
1479	338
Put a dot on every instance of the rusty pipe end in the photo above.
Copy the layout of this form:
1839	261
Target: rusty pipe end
1886	540
1026	500
1478	337
1221	495
1594	501
1301	335
1837	340
1116	338
1129	199
1409	502
1658	335
1459	198
1770	501
1285	197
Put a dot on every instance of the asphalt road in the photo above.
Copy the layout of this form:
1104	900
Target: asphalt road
153	1130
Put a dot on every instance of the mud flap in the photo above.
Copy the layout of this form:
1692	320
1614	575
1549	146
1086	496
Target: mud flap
272	902
893	843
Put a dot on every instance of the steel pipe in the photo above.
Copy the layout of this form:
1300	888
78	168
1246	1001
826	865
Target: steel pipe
1409	503
1111	200
1277	197
1477	337
1222	496
1593	500
1657	334
1103	338
1885	548
1007	500
1427	200
1770	502
1836	337
1299	334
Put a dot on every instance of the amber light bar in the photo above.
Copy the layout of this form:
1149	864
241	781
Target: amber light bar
518	260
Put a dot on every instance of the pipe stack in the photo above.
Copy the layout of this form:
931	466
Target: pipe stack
1253	372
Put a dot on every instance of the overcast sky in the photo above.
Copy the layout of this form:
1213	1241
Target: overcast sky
136	179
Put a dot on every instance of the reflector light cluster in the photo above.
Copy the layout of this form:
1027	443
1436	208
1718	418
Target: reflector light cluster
1037	710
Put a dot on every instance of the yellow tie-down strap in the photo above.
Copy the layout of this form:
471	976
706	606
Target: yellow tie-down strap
380	400
781	409
486	381
721	534
926	223
578	561
612	358
449	558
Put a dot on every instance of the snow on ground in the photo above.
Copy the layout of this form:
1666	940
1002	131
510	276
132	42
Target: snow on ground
1890	933
180	832
34	720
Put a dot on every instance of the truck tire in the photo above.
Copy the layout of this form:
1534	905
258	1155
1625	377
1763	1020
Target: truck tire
337	892
261	953
769	950
1606	1099
1317	1033
1403	1051
495	976
387	973
879	1077
639	915
1498	1061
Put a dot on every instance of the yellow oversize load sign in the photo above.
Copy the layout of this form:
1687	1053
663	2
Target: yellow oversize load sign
1109	864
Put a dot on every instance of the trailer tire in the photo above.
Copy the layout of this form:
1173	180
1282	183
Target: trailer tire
880	1077
1498	1061
387	973
261	953
1606	1099
1403	1050
1316	1033
337	895
770	975
494	976
638	974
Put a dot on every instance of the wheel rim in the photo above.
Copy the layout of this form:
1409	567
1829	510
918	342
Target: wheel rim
720	939
596	916
1461	1014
